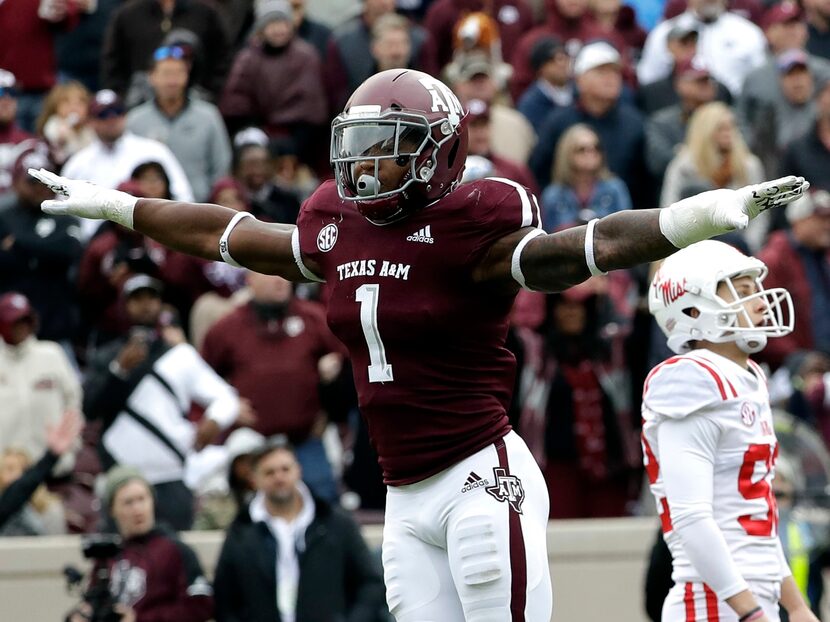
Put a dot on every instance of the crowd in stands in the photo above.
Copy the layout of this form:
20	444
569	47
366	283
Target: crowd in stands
595	105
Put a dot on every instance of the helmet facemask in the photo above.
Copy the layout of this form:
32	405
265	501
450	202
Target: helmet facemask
731	321
365	135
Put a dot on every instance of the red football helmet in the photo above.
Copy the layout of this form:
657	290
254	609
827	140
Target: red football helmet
411	118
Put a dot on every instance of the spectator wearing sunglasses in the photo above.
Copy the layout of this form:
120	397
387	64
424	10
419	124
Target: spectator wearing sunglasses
138	28
193	129
11	134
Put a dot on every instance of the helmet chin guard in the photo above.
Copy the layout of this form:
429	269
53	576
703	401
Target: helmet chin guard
683	298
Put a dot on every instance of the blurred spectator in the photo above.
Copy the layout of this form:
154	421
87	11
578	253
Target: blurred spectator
809	154
785	30
713	156
11	134
391	43
276	82
475	168
571	22
682	45
587	435
290	174
479	32
481	143
553	87
614	19
154	576
597	71
790	115
142	388
137	28
666	128
310	30
79	50
192	129
229	193
116	151
27	47
253	169
583	188
798	259
277	338
37	384
513	18
59	439
750	9
229	487
729	44
38	251
63	120
43	515
471	76
818	27
287	548
349	61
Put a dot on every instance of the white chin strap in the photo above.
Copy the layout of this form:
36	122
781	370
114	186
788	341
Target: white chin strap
751	343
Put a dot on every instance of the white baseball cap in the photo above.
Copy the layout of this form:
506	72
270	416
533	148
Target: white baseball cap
595	55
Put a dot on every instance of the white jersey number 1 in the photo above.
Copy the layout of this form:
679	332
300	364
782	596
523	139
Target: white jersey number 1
368	296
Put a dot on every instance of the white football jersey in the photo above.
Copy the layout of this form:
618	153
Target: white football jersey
740	444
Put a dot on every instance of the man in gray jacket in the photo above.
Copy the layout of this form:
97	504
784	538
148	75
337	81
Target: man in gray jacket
192	128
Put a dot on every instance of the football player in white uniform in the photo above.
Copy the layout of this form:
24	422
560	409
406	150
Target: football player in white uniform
708	441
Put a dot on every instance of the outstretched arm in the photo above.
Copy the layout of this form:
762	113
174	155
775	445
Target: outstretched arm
195	229
560	260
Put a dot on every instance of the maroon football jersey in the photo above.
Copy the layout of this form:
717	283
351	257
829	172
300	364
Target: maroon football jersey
433	376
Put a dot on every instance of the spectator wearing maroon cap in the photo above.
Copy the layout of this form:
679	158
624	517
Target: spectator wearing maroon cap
799	259
481	144
137	28
785	29
27	47
731	45
37	384
818	27
553	87
681	41
38	252
789	116
666	128
514	19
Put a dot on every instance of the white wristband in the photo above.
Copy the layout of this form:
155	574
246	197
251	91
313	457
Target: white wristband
589	249
223	241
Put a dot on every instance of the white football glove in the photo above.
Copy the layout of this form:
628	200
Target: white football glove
85	199
712	213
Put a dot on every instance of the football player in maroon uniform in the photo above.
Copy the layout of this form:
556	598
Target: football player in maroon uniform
423	272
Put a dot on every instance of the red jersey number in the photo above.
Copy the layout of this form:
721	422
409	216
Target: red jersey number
758	490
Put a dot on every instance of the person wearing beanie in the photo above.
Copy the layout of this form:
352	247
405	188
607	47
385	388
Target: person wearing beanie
160	576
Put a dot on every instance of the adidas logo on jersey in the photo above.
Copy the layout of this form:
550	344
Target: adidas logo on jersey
423	235
473	482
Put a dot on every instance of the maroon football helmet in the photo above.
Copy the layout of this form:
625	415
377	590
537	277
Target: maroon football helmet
411	118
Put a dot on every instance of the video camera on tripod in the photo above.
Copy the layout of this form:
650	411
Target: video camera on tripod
100	548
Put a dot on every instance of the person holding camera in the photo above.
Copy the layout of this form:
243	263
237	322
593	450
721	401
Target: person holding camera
142	388
151	575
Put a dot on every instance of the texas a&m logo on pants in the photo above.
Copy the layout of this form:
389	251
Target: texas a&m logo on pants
507	488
